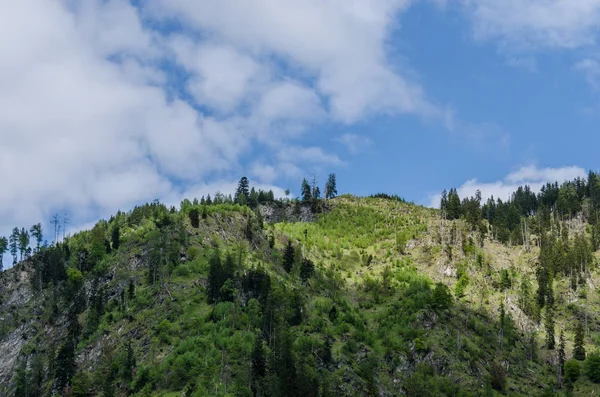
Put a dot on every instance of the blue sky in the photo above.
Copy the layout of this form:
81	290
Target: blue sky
111	103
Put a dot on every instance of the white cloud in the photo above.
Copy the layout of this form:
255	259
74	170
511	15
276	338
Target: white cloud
529	175
263	172
354	143
220	76
311	155
339	44
535	24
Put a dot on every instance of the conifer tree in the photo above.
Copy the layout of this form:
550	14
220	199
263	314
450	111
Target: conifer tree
21	381
562	358
578	343
131	290
307	269
3	249
215	276
65	363
23	242
253	198
242	194
130	362
115	237
444	204
13	241
306	191
454	206
549	326
259	360
330	187
36	232
288	257
194	216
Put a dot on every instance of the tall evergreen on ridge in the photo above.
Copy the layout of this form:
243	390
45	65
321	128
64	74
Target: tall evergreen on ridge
3	249
306	191
242	194
330	187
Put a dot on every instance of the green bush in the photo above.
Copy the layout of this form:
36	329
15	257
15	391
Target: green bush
572	371
592	367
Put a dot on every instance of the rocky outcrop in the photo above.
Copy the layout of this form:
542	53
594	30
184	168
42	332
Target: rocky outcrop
292	212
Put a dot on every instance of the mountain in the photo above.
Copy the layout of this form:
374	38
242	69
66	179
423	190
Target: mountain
341	297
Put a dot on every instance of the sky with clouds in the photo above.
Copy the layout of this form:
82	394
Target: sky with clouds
105	104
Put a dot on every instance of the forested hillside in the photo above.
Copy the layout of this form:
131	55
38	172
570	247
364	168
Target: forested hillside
253	295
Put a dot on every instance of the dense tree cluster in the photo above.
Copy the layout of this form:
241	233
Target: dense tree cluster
527	212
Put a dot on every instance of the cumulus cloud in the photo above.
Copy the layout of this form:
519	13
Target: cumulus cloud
529	175
102	108
338	44
534	24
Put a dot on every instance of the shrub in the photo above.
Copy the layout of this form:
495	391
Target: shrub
441	299
572	370
592	367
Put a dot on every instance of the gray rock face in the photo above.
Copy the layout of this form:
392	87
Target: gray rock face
10	347
291	212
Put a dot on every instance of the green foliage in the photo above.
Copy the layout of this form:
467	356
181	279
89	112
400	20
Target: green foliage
592	367
572	371
347	312
578	345
288	257
194	216
441	298
461	285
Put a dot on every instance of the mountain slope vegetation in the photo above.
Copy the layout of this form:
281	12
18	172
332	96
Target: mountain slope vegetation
253	296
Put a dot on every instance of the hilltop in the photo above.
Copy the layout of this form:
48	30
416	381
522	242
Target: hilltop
349	296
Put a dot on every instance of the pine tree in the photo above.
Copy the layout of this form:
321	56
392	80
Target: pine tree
21	381
215	277
253	200
330	187
307	269
578	345
23	242
549	325
454	206
444	204
36	232
306	191
242	194
115	237
131	290
259	360
3	249
130	362
13	241
288	257
65	364
194	216
562	358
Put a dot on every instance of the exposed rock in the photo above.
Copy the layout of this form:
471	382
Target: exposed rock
10	348
288	213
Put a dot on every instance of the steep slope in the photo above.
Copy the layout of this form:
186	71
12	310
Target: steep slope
208	301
